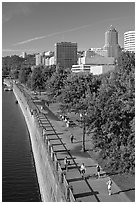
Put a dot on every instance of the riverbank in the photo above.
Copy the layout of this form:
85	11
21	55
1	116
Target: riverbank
49	186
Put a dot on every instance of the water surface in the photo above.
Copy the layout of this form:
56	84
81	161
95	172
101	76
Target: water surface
19	180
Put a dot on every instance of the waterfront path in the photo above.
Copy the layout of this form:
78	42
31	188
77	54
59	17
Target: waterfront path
90	189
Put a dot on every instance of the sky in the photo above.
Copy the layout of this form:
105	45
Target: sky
36	26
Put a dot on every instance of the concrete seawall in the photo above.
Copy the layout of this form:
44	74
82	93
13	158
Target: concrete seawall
50	188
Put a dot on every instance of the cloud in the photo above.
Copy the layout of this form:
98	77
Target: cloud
51	34
37	38
66	31
18	50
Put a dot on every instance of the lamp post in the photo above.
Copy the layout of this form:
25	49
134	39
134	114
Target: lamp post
84	132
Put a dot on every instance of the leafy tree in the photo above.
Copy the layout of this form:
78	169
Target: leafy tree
29	81
77	91
11	63
56	83
112	113
23	74
47	73
37	79
14	73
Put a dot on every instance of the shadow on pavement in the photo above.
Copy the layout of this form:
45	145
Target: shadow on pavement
130	189
90	166
75	179
50	114
111	174
80	195
93	192
76	151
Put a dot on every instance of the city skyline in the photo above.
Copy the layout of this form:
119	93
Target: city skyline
35	27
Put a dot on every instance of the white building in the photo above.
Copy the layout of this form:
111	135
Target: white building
100	51
129	41
94	63
39	59
52	60
94	69
96	59
47	61
24	54
81	68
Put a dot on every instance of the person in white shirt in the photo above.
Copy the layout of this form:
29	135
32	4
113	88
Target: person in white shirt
82	169
109	184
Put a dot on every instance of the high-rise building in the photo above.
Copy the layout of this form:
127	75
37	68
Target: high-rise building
129	41
39	59
65	54
111	42
24	54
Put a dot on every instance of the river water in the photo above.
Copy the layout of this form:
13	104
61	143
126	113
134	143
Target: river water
19	180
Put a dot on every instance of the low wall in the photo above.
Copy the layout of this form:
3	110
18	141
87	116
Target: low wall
50	188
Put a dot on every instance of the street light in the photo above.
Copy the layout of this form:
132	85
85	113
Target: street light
84	130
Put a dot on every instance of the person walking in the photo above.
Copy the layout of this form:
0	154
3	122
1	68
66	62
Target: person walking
67	123
48	103
71	138
82	170
66	163
109	184
98	170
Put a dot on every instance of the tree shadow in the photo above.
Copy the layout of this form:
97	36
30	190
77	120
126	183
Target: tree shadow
76	151
111	173
49	113
80	195
93	176
74	179
90	166
122	191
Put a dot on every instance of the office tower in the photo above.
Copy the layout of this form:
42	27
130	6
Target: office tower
65	54
111	42
129	41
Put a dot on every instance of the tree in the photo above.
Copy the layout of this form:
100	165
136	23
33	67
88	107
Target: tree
111	115
56	83
47	73
23	74
14	73
37	79
11	63
77	91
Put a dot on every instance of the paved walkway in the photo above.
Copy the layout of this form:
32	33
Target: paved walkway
90	189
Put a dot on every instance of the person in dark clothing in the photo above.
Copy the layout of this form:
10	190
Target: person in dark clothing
98	170
66	163
71	138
